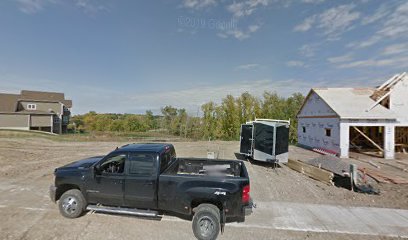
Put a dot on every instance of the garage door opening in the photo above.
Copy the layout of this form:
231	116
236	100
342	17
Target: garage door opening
401	140
367	140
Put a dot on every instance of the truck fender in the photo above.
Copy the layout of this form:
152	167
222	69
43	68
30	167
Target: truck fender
223	220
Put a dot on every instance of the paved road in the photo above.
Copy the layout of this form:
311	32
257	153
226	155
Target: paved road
25	219
329	218
312	218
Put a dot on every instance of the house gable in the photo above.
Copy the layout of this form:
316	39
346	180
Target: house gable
315	106
43	106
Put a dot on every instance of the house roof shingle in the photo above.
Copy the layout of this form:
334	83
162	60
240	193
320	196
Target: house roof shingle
8	102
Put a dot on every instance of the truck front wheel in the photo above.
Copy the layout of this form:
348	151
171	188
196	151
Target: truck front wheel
206	222
72	203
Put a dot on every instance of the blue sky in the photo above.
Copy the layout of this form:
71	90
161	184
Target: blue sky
130	56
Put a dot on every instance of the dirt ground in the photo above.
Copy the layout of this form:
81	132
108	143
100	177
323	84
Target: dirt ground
27	164
391	195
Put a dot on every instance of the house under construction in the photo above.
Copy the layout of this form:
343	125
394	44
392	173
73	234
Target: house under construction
368	120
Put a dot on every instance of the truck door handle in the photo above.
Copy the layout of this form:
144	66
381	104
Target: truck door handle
148	183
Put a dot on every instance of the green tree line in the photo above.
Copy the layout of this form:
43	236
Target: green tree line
216	121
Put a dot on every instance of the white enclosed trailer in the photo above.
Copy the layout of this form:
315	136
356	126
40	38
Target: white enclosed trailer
265	140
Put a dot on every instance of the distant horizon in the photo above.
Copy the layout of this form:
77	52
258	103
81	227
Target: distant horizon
157	111
133	56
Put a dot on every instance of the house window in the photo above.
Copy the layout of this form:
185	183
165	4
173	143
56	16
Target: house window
304	129
328	132
65	119
31	106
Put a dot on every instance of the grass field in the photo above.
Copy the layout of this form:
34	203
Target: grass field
150	136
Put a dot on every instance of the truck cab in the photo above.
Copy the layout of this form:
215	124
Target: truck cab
128	176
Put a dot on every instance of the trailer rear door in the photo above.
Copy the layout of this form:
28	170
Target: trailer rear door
264	138
246	139
282	140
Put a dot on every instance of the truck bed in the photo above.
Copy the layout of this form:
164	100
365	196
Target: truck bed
190	180
207	167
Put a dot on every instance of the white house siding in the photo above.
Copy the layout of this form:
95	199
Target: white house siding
315	135
399	100
315	116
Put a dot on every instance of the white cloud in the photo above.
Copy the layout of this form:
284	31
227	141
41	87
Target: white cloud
333	22
313	1
238	9
338	20
395	62
32	6
90	6
397	24
307	50
393	26
245	8
306	25
247	66
341	59
294	63
253	28
379	14
239	34
396	49
366	43
199	4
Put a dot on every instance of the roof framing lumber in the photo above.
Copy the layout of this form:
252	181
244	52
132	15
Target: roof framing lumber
369	139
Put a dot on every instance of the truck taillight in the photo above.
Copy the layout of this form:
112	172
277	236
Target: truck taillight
245	194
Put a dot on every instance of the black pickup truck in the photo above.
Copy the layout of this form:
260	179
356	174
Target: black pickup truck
148	180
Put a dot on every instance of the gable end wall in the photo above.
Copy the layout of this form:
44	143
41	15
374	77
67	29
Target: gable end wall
315	116
315	106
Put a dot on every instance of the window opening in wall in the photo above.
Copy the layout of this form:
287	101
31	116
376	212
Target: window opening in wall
328	132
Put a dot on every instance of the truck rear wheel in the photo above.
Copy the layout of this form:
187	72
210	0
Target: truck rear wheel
206	222
71	204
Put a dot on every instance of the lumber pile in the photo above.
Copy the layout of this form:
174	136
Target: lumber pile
382	178
403	163
404	169
311	171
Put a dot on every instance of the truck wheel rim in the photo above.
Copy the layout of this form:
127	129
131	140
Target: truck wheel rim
70	205
206	226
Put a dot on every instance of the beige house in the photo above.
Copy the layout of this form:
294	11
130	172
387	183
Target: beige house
33	110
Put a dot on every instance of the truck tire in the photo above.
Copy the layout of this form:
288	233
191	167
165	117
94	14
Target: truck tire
206	222
72	203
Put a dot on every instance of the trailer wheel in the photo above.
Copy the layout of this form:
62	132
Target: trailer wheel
72	204
206	222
